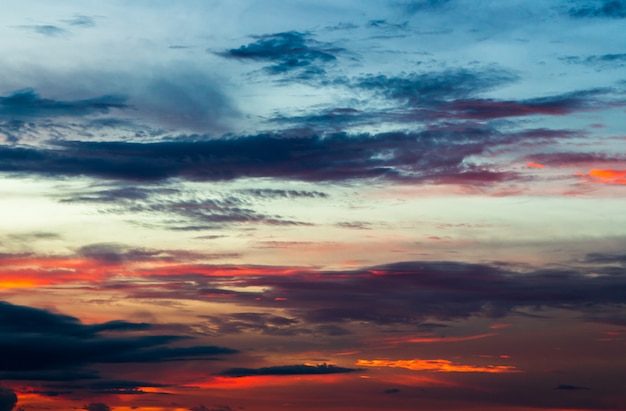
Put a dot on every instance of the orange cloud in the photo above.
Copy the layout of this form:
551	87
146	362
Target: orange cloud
436	366
530	164
605	176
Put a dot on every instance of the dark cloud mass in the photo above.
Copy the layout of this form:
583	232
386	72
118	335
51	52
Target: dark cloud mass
24	104
288	51
433	155
401	294
97	406
299	369
35	340
8	399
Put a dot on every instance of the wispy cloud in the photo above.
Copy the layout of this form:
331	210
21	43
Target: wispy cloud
437	365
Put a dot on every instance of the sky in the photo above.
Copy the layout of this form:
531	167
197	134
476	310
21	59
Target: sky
313	205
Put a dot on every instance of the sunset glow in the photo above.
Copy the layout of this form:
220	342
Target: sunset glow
235	205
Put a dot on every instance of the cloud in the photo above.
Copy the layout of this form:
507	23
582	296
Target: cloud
604	176
567	387
408	293
8	399
149	101
81	20
46	29
437	366
35	340
97	406
299	369
192	211
413	292
255	322
605	258
25	104
599	8
288	52
215	408
484	109
602	60
415	6
437	155
425	88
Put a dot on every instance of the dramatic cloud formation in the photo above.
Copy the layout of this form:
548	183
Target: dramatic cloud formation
396	205
39	340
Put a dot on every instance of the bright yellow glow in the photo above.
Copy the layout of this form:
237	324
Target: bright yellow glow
436	365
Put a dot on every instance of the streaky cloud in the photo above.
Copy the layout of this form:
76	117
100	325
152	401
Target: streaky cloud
299	369
25	104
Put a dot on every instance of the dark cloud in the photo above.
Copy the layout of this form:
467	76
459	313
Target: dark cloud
35	340
562	104
603	60
25	104
426	88
436	155
97	406
8	399
299	369
288	52
411	294
387	26
215	408
392	391
599	8
566	387
605	258
575	158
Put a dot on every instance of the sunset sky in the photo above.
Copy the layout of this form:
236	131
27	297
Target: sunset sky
238	205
